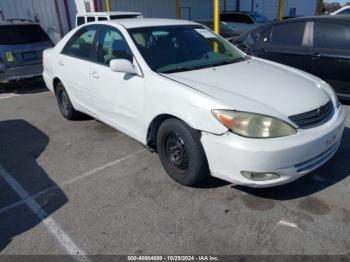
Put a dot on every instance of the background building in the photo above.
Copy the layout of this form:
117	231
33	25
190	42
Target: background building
58	16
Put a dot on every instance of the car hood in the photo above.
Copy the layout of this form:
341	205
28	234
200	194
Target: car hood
259	86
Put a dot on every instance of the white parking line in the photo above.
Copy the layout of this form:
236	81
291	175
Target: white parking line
287	223
68	182
62	238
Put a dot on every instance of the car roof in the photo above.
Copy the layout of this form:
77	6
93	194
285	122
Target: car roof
148	22
317	18
107	13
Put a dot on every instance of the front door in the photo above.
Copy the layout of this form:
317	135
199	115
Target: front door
287	45
329	56
118	97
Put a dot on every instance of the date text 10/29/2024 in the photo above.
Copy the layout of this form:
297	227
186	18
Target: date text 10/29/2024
173	258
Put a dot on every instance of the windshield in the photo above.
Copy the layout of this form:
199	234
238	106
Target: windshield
22	34
260	18
170	49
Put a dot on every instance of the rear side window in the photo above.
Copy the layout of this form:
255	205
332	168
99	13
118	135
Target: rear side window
22	34
80	20
80	45
288	35
102	18
331	36
90	19
114	17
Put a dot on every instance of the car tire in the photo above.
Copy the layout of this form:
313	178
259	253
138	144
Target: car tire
65	104
181	152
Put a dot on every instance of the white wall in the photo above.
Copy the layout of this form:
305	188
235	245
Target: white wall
43	10
304	8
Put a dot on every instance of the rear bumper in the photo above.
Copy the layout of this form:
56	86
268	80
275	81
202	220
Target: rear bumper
290	157
13	74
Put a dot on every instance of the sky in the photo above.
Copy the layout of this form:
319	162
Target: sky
339	1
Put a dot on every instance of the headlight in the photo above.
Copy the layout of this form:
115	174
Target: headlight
253	125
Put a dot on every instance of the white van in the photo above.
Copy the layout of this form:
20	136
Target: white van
83	18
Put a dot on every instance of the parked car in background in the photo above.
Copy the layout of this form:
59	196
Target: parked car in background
244	21
226	31
83	18
342	11
318	45
199	102
21	48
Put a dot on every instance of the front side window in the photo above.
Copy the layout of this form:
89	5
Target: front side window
331	36
112	45
291	34
345	12
169	49
81	43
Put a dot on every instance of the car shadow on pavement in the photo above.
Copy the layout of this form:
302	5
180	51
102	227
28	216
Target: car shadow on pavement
334	171
21	144
24	87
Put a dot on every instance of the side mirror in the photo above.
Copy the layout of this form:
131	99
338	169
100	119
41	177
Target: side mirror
122	66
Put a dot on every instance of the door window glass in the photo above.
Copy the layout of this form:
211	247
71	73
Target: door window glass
345	12
81	43
331	36
90	19
80	20
112	45
290	34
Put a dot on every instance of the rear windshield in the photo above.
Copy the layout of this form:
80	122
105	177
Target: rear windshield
22	34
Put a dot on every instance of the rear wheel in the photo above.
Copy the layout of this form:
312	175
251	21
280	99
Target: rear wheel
181	152
65	104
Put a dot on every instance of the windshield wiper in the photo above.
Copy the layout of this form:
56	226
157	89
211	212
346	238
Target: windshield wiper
227	62
177	69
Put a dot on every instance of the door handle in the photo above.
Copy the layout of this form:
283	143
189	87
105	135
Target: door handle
95	75
60	63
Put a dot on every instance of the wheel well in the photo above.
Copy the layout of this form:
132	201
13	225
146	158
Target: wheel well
153	130
55	83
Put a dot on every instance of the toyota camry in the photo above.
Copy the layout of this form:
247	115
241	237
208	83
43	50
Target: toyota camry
202	104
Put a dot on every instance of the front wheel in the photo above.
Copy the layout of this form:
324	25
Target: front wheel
181	152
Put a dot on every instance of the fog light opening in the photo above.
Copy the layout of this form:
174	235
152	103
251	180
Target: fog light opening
254	176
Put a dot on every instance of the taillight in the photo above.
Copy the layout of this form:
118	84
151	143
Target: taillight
10	57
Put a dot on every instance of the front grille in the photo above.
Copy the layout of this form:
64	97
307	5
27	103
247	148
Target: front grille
315	117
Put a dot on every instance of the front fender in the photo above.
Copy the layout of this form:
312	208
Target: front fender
168	97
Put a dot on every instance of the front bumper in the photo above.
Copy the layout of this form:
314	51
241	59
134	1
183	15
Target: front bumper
290	157
14	74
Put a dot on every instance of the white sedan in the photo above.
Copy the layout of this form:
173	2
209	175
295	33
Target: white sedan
200	103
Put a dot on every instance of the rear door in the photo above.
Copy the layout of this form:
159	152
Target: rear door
330	54
73	66
286	44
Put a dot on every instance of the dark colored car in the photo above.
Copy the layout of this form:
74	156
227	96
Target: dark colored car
21	48
244	21
318	45
226	31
